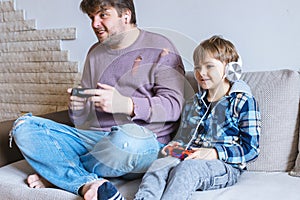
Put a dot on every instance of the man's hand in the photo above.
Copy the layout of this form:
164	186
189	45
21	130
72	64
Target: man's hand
106	98
76	103
203	153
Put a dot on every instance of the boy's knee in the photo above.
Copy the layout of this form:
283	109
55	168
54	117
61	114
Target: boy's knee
192	165
164	163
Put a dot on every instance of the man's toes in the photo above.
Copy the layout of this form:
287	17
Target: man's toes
32	178
35	181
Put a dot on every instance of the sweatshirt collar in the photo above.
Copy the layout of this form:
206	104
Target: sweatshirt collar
238	86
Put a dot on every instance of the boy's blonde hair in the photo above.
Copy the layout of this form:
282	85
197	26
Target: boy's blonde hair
217	47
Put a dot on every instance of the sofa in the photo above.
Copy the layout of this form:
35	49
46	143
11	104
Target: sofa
274	175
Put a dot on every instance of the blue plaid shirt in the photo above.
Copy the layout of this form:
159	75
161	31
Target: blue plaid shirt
232	126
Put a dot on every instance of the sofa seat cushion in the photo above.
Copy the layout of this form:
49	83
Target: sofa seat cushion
13	185
257	186
251	185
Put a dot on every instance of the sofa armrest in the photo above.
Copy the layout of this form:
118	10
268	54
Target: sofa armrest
9	155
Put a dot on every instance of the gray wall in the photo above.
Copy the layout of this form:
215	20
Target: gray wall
264	31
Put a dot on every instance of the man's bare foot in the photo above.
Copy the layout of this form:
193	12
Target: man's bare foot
36	181
90	190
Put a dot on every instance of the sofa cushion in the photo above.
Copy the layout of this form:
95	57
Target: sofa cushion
256	186
270	185
277	93
13	186
296	169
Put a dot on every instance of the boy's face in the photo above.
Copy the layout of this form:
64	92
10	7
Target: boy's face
209	72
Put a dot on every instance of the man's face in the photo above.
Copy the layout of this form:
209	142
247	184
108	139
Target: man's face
107	25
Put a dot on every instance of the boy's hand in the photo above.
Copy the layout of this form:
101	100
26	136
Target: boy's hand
172	144
203	153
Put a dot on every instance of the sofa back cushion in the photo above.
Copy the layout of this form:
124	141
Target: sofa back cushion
277	93
296	170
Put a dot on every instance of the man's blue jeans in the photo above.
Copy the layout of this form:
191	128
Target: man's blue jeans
69	157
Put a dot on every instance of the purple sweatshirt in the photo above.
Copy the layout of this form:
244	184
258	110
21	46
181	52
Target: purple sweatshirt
150	71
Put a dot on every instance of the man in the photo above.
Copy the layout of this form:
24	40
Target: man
135	96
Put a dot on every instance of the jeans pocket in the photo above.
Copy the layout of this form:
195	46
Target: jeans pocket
220	181
228	178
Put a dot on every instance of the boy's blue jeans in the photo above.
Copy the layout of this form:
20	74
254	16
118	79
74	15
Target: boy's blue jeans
168	178
69	157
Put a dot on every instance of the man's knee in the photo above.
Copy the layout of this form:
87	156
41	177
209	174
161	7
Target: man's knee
127	149
24	130
135	139
18	125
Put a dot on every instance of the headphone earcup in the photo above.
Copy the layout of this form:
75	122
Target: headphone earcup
126	17
233	71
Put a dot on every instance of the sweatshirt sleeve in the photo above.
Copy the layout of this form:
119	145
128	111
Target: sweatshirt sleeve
166	103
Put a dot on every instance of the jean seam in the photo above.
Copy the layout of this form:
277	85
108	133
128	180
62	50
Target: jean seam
59	148
70	162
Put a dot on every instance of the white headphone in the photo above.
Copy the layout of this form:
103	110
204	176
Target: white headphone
126	17
233	70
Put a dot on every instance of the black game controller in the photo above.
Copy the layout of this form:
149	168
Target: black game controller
79	92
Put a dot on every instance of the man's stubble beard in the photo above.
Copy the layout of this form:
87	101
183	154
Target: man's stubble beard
115	38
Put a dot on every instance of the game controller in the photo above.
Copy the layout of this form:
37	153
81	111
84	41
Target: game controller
79	92
178	152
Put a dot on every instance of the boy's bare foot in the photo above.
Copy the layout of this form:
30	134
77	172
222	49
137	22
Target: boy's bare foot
89	190
36	181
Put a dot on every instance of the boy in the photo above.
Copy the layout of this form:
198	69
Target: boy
220	128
